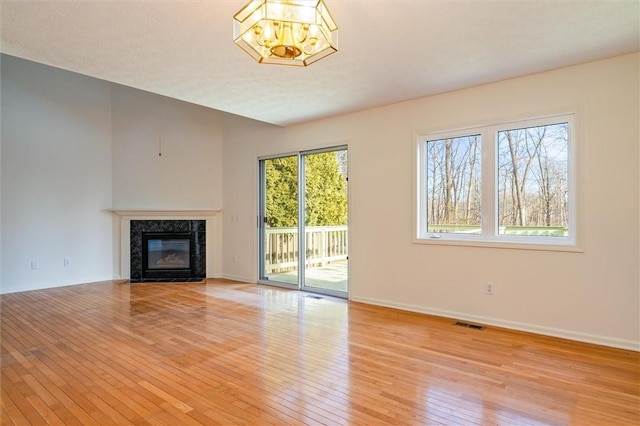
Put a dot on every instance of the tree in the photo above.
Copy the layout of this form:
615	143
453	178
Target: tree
325	190
453	192
533	170
282	192
550	177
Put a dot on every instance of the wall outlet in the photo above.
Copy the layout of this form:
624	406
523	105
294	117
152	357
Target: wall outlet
489	288
66	262
34	265
235	258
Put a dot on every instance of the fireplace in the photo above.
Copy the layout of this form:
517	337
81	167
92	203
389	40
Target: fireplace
168	250
167	255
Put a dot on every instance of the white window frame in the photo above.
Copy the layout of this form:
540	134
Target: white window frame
489	236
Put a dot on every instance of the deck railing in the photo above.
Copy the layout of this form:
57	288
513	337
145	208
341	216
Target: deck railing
324	244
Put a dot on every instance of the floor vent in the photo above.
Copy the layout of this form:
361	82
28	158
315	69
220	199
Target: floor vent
311	296
466	324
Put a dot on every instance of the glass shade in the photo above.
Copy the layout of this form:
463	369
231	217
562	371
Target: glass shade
286	32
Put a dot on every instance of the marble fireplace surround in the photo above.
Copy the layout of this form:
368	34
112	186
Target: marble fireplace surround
213	225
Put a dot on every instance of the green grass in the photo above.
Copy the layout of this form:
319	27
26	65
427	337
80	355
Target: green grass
539	231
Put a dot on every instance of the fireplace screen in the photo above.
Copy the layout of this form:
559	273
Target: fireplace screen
165	253
169	255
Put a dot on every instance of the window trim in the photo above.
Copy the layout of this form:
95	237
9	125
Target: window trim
489	222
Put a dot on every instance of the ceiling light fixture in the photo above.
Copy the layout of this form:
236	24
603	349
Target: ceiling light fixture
286	32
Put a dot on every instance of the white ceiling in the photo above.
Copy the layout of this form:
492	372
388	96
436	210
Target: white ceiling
389	51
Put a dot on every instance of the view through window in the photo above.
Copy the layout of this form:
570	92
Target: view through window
500	183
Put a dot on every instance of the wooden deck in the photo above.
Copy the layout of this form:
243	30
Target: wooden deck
333	276
229	353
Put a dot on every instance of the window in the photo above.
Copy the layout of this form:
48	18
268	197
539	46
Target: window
453	185
510	183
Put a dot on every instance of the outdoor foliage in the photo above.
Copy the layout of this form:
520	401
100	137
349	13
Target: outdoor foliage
282	192
532	176
532	180
453	176
325	190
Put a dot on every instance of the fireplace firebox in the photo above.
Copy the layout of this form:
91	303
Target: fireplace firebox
168	250
167	255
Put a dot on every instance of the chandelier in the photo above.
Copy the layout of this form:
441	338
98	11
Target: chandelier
286	32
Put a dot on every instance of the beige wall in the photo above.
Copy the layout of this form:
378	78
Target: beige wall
73	147
56	177
592	295
188	175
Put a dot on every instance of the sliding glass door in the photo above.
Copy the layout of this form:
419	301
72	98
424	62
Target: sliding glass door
325	221
304	204
279	237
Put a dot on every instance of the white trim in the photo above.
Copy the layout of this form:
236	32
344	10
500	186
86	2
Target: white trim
259	207
47	286
154	213
500	244
279	284
237	278
213	220
489	237
512	325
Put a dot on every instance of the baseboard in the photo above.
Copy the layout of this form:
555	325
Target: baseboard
512	325
237	278
4	290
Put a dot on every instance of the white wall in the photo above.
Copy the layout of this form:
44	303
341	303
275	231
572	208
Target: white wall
65	136
74	147
188	175
244	141
1	118
56	177
590	296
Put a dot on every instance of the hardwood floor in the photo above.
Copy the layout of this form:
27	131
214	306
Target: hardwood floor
230	353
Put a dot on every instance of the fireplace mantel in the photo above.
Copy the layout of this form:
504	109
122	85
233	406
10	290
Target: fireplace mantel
213	236
158	212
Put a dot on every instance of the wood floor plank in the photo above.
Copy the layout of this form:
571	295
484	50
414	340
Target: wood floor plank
49	415
27	410
11	414
222	352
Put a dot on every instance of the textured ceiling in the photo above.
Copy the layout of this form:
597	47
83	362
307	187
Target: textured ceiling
389	51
